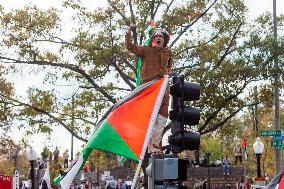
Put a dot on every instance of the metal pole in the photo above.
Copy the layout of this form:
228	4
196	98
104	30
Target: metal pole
32	174
276	91
256	111
208	170
208	173
72	141
258	173
72	126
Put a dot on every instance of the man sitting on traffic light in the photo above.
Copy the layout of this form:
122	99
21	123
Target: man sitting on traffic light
156	62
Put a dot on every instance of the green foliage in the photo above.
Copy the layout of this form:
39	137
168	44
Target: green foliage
24	26
6	91
214	146
103	160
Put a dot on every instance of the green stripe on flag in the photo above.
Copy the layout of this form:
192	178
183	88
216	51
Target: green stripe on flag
56	180
107	139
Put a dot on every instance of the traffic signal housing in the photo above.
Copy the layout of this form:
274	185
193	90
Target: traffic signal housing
166	173
181	115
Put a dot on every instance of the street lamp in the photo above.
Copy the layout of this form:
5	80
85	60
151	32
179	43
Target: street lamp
32	158
208	169
258	148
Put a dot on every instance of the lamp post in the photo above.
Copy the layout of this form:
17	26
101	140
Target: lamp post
32	158
208	170
258	148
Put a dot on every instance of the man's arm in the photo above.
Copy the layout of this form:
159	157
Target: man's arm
130	46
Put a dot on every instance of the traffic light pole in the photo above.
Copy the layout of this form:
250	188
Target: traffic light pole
276	91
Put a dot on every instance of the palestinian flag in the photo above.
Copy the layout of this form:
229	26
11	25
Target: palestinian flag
244	145
280	184
125	129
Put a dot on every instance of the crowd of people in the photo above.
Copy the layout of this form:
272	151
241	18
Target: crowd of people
112	183
109	182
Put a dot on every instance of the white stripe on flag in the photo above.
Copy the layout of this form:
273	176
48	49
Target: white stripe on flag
46	176
67	180
154	115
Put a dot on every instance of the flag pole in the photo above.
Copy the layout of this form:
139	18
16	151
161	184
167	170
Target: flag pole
150	128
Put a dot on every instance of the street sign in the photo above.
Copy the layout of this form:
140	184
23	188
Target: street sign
279	147
278	138
272	133
276	143
16	180
6	182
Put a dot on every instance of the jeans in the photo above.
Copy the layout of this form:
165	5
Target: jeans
226	169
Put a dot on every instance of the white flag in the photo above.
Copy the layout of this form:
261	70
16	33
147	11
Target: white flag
45	183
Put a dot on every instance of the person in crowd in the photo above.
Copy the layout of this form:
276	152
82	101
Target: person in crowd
117	183
204	184
198	184
45	154
128	182
141	181
111	184
240	184
122	184
226	165
248	183
238	153
65	156
56	155
73	186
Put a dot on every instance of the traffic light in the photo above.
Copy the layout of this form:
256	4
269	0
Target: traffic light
181	115
166	173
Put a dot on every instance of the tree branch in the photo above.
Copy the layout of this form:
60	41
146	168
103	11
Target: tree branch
168	7
49	115
120	13
130	66
214	114
230	45
189	25
113	62
152	8
63	43
85	120
123	75
72	67
216	126
221	123
131	11
117	88
208	41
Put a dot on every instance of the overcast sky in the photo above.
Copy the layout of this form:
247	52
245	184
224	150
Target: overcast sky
60	137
